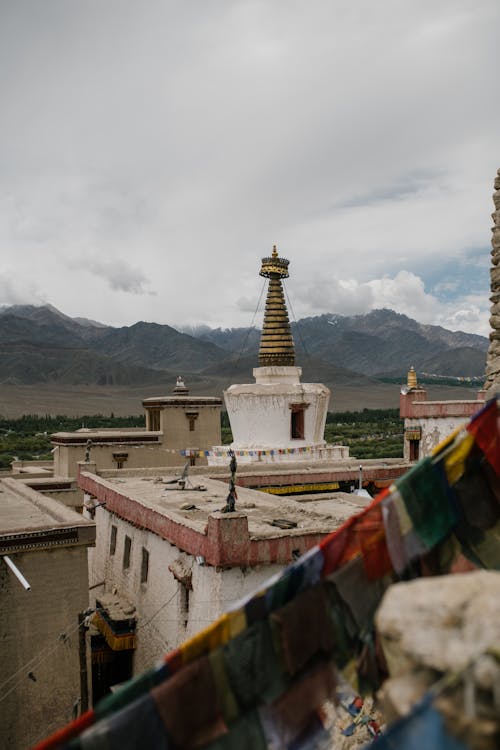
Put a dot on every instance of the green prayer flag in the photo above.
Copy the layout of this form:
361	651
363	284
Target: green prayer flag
427	502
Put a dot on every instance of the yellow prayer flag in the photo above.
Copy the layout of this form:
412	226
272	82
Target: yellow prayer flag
215	635
454	463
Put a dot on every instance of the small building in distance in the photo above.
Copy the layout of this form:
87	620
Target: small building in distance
40	648
278	418
427	423
174	423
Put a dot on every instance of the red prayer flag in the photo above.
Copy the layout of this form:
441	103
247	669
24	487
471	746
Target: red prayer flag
67	733
485	427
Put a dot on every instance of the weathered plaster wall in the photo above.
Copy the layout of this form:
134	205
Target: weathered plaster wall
38	635
66	457
164	621
175	425
434	430
175	435
260	412
493	359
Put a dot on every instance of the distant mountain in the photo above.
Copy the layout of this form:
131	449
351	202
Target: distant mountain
383	342
26	363
239	370
240	340
41	344
466	362
87	323
380	343
159	347
47	315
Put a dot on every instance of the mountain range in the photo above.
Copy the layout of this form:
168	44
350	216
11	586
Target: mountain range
40	344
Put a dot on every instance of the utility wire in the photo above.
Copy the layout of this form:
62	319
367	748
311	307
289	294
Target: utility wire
252	323
145	624
289	302
37	660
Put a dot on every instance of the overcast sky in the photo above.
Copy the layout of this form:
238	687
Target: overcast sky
151	152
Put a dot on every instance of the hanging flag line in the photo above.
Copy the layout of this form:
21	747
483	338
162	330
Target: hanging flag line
270	452
187	452
265	667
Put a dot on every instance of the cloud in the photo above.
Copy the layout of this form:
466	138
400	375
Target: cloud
185	141
117	274
405	293
15	291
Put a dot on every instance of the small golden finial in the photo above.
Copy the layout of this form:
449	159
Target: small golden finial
412	378
275	252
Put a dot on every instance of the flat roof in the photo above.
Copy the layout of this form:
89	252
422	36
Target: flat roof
112	436
182	401
29	519
315	514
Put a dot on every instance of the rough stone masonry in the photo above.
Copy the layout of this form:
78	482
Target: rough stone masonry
492	383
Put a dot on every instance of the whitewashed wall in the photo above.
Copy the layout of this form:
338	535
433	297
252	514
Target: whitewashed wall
163	626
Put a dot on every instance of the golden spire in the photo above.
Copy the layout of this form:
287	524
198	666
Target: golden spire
276	343
412	378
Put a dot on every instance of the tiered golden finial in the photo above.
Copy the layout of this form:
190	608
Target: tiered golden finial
412	378
276	343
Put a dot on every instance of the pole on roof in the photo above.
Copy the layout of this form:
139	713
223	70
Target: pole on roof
22	580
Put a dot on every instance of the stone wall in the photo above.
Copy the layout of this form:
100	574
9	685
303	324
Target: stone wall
39	643
493	360
445	625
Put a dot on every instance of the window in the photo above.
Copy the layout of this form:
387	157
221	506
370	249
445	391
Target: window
112	540
192	416
126	552
297	423
144	565
119	459
154	420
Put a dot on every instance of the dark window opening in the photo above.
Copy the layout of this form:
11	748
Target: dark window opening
414	450
192	417
184	603
109	667
126	552
112	540
144	565
120	459
297	424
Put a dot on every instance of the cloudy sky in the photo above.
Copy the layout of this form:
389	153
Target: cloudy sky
152	151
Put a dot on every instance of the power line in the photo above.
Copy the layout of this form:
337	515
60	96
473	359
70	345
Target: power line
252	323
144	625
289	302
37	660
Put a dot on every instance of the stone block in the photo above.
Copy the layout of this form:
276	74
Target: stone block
439	623
495	278
495	321
492	367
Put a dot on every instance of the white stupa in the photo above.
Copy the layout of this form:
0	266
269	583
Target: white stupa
277	418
